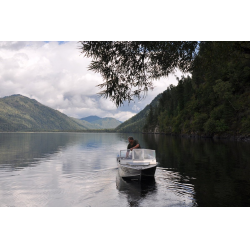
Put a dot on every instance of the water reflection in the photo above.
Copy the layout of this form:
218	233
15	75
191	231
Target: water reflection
218	171
134	190
80	169
18	150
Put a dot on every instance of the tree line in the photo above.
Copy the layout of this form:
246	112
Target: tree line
213	99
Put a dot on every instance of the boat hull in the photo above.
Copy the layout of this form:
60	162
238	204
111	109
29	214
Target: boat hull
136	172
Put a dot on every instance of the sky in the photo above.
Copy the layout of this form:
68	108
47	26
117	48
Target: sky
56	75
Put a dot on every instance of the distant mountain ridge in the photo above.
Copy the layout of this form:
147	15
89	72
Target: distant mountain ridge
91	118
106	122
20	113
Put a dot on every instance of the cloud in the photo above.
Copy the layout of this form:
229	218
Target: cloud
135	108
57	75
124	115
106	104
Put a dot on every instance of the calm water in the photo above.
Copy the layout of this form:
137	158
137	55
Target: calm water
79	169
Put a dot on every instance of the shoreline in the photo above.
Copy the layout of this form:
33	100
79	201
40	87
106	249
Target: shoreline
227	137
64	131
33	132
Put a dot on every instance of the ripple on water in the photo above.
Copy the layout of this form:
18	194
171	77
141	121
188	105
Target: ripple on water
176	183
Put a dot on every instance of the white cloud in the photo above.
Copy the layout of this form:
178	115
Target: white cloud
135	108
124	115
106	104
57	76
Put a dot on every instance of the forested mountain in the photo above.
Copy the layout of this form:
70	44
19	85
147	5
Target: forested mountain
20	113
91	118
86	124
214	100
102	123
136	123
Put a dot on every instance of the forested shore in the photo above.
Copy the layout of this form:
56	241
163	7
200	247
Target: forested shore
213	101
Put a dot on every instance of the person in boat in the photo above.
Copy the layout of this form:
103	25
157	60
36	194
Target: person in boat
133	144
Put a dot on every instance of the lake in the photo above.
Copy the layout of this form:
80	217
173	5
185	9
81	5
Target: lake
80	169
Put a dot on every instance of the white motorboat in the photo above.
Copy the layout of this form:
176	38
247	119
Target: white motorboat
137	164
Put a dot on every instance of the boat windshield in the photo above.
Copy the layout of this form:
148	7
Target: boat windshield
143	154
126	154
149	154
138	154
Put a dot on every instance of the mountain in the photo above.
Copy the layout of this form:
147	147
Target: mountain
102	123
214	102
20	113
91	118
86	124
136	123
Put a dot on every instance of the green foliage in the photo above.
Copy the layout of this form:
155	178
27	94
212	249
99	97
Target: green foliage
217	112
129	67
215	126
216	99
245	125
221	126
223	89
210	125
198	121
176	123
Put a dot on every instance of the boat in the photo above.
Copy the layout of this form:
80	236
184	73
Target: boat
137	164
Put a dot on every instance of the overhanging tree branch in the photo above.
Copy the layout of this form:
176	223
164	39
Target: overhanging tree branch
129	68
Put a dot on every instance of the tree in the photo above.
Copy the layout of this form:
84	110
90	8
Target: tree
128	68
150	114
